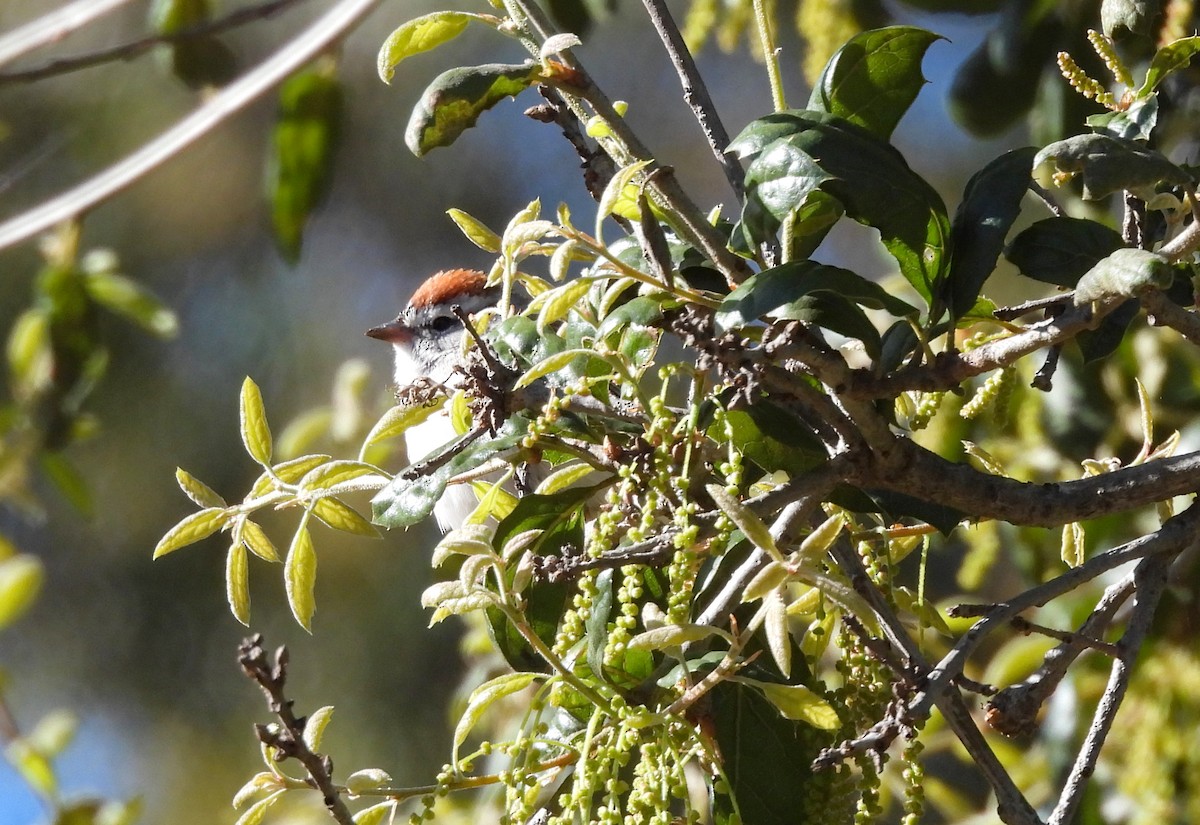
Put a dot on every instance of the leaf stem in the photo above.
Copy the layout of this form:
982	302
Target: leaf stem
766	38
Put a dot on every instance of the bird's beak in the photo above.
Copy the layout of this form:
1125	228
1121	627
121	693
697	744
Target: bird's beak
393	332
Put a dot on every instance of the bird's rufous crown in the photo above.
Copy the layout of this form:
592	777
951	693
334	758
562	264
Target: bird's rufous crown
448	285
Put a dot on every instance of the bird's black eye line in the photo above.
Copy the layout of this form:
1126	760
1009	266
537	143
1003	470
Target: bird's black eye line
443	323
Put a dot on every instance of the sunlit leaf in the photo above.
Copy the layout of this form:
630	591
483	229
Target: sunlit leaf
484	697
1125	273
1170	58
192	529
237	582
455	99
131	300
314	728
420	35
745	519
256	435
300	577
798	702
21	579
475	231
195	489
257	542
341	516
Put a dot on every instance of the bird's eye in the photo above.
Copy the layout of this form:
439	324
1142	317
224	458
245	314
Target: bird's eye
443	323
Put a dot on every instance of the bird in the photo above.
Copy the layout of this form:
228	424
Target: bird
427	339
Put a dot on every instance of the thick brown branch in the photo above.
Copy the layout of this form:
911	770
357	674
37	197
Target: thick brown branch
1166	313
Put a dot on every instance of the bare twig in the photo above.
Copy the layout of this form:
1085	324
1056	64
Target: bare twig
53	27
1151	579
287	738
324	32
136	48
695	92
1162	311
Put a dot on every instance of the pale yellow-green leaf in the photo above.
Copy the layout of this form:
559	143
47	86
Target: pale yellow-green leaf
560	261
256	435
128	298
615	192
495	501
821	539
287	472
367	779
21	579
1147	417
30	356
519	542
33	766
257	542
614	293
775	624
900	548
806	602
468	540
439	592
841	594
420	35
476	600
484	697
473	569
798	703
237	582
300	577
816	640
314	728
562	300
925	612
529	213
986	460
1073	544
674	635
531	232
197	490
53	733
559	43
376	814
262	782
765	581
192	529
341	516
552	363
564	477
475	231
460	412
398	419
255	814
750	524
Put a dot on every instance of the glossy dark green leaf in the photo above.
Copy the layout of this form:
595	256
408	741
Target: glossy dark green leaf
1109	164
774	439
405	502
874	78
597	621
303	143
455	99
1060	250
768	761
560	517
867	175
1134	123
990	204
782	292
642	311
1125	272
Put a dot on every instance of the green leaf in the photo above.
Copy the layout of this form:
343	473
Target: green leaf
237	582
561	300
482	698
192	529
990	204
330	474
475	231
314	728
341	516
554	363
1110	164
673	636
21	578
768	759
300	577
257	542
303	144
1135	123
127	298
813	150
1125	272
366	780
564	476
376	814
774	439
398	419
874	78
195	489
1170	58
827	296
405	502
798	702
256	435
421	35
455	99
746	520
255	814
1060	250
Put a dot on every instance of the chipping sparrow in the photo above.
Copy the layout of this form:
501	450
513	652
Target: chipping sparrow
427	338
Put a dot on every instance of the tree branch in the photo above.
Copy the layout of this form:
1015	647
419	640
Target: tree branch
52	27
73	203
695	92
127	51
1164	312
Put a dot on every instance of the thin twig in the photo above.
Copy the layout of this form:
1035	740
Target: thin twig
1162	311
695	92
136	48
1151	580
53	27
288	737
73	203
